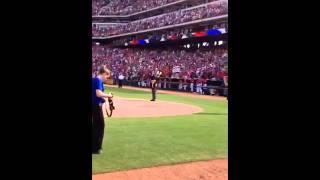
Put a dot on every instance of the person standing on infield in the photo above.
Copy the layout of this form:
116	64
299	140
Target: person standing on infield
98	96
153	87
154	83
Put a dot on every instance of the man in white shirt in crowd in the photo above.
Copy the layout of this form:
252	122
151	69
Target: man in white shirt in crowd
191	85
199	85
120	80
184	81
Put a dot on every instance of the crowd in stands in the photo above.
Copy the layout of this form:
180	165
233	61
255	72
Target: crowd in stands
126	7
170	34
95	31
97	5
129	7
140	64
181	16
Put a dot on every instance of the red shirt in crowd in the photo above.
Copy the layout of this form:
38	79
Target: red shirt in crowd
221	74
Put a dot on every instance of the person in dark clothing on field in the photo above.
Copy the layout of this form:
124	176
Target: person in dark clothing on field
153	85
98	96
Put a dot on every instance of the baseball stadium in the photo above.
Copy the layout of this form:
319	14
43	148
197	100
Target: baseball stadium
167	64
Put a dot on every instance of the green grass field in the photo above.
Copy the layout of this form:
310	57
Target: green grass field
131	143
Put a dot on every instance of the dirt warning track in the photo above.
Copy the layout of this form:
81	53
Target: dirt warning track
143	108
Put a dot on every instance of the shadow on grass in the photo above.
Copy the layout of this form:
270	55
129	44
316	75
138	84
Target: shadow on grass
213	114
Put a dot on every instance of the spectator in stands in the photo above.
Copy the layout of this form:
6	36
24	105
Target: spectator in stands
180	84
212	90
120	80
165	83
225	82
192	81
184	81
199	86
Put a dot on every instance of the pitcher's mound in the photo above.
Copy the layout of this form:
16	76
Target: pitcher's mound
144	108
